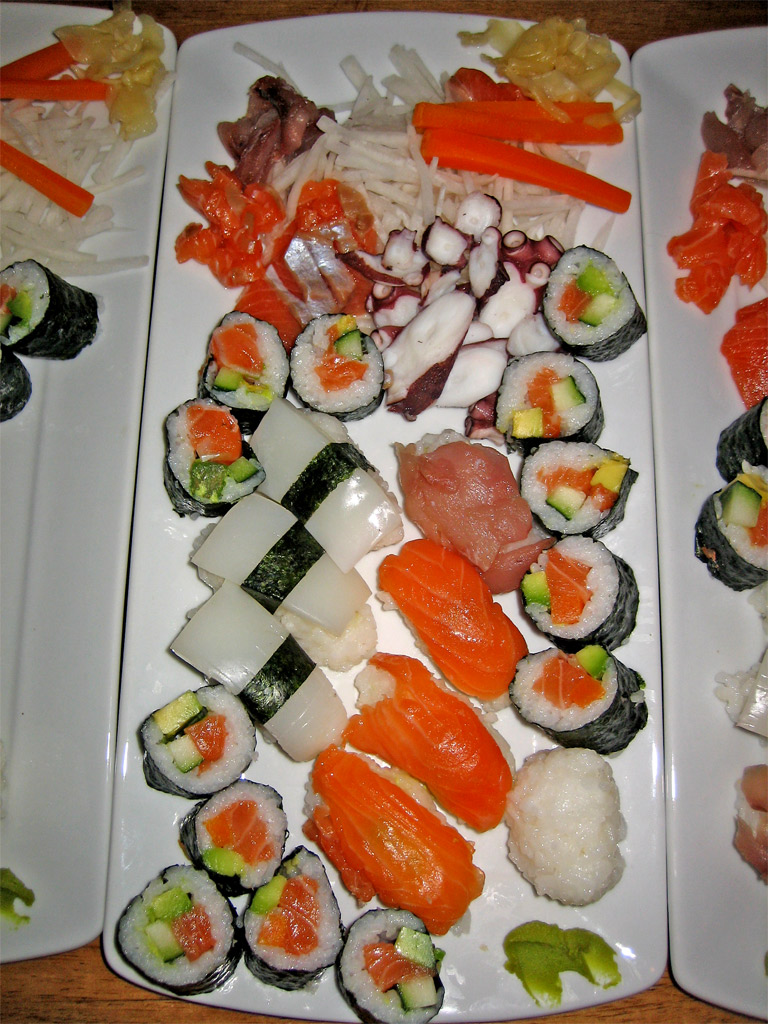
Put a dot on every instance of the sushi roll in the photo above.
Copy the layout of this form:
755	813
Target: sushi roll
388	971
179	932
234	640
198	743
744	440
237	836
587	699
15	384
262	547
336	368
292	927
579	592
41	314
589	306
565	825
731	535
246	367
208	464
548	395
315	471
576	487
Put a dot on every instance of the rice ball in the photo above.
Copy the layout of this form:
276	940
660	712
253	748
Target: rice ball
565	825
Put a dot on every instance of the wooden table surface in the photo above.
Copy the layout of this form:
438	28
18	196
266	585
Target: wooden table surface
77	986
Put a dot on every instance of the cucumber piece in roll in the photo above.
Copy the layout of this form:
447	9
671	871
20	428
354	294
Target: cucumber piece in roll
379	937
292	927
587	699
590	307
179	932
731	535
44	315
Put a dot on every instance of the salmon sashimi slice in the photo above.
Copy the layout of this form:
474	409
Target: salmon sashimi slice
292	925
745	348
240	827
385	843
387	967
267	301
565	684
437	737
214	434
568	591
464	496
446	602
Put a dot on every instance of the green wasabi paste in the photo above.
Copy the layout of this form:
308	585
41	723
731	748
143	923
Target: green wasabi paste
12	888
538	953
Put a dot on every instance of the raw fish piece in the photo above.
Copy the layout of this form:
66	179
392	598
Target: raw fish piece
417	725
751	838
386	844
452	611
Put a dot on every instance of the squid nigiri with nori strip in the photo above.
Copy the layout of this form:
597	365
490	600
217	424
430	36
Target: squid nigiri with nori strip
587	699
590	307
237	835
179	932
208	464
246	367
41	314
731	535
579	592
15	384
292	925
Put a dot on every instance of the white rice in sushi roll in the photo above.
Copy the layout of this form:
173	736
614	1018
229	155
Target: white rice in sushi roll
565	825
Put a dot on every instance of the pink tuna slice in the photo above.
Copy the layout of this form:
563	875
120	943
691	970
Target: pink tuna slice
465	497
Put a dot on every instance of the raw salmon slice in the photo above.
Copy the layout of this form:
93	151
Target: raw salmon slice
745	348
239	827
438	738
292	925
385	843
567	584
263	300
565	685
214	434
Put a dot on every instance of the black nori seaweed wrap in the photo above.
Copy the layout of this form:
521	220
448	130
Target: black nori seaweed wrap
62	318
744	440
713	548
15	384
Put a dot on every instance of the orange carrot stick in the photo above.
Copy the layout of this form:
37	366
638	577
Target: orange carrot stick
53	186
466	152
529	110
502	123
51	60
63	89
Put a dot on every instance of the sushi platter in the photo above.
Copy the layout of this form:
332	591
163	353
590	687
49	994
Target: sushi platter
65	508
708	629
210	87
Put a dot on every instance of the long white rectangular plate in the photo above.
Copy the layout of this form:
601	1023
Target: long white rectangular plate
718	908
212	86
68	471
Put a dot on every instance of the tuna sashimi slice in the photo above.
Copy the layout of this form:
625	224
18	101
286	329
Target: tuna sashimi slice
435	736
384	842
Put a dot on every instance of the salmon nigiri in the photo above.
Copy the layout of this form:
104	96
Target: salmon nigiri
415	724
385	843
444	599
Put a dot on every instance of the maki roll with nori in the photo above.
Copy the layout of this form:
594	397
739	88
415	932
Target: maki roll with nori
547	395
731	536
336	368
315	471
578	592
179	932
198	743
590	307
237	836
246	367
208	464
388	971
41	314
744	440
15	384
262	547
292	927
233	639
576	487
586	699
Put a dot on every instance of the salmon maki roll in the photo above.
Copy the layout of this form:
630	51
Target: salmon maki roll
388	844
451	609
413	723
